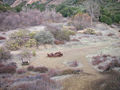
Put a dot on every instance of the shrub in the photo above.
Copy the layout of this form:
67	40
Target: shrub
111	10
69	32
41	69
44	37
62	35
32	34
8	69
4	54
53	72
109	82
34	53
25	55
18	39
81	21
1	65
37	5
19	7
73	64
12	20
67	11
70	71
12	45
57	42
31	43
4	7
30	68
111	34
90	31
116	18
106	19
22	34
44	83
20	71
105	62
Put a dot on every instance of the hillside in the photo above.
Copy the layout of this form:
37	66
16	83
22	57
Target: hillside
59	45
17	2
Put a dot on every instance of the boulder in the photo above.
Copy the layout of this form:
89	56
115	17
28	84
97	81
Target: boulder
2	38
57	54
58	42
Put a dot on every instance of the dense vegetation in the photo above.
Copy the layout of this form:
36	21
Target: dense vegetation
108	11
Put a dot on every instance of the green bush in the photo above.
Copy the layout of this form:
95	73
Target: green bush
90	31
32	34
12	45
105	12
44	37
37	5
31	43
34	53
62	35
4	54
106	19
20	34
19	7
67	11
110	9
116	18
19	39
4	7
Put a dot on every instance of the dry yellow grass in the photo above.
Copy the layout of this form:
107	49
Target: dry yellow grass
76	82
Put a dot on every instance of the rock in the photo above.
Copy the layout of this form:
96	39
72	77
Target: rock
76	40
58	42
57	54
25	62
111	34
2	38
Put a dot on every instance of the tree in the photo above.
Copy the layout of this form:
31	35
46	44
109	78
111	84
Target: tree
93	9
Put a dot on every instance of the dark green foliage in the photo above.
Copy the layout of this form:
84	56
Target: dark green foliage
4	7
70	7
110	9
73	2
19	7
67	11
106	19
37	5
116	18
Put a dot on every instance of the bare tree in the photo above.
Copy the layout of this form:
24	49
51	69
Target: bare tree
92	8
81	21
